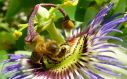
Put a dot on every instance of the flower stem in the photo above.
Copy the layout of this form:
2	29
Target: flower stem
54	33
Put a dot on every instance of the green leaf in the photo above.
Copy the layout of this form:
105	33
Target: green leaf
7	40
81	9
99	2
17	5
115	2
70	11
3	55
121	6
1	0
90	14
13	8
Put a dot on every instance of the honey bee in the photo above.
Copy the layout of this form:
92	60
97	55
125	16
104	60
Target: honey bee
43	48
47	48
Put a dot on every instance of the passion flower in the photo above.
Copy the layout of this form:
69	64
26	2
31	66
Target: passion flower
84	55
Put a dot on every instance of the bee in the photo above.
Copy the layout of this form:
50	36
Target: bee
43	48
49	49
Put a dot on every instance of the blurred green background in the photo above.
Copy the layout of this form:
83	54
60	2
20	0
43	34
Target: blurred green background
15	12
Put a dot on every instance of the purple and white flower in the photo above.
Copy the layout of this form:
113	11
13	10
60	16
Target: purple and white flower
89	55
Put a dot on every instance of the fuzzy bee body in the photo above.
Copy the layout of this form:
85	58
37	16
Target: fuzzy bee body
49	49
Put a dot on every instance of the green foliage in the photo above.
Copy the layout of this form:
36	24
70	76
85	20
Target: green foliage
90	15
5	42
17	5
3	56
11	10
121	6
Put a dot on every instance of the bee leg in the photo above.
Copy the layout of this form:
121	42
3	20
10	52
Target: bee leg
43	64
36	57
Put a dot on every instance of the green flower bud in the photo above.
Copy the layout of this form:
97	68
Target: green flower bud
42	14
